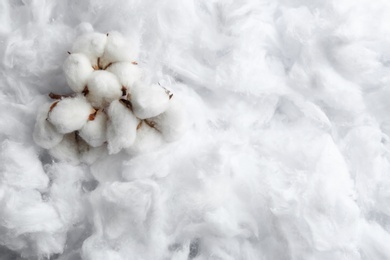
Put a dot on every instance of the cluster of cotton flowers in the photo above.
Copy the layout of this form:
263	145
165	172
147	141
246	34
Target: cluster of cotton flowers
113	108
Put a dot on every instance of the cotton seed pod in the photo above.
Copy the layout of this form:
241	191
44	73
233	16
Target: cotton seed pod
70	114
118	48
45	134
66	150
172	123
103	88
148	139
77	69
92	45
149	100
127	73
94	131
121	127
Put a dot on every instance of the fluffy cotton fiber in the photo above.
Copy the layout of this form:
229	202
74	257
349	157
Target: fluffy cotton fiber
171	123
103	88
67	150
92	45
45	134
122	126
118	48
257	176
149	100
148	138
77	69
126	72
70	114
94	131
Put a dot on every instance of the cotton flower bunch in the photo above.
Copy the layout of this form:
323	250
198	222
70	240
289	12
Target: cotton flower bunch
113	107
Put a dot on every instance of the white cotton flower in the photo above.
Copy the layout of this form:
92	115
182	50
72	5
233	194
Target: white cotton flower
103	88
126	72
148	139
118	48
92	45
77	69
94	131
67	150
70	114
45	134
122	126
149	100
172	123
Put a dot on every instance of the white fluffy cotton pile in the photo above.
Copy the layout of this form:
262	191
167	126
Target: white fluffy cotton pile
112	104
286	154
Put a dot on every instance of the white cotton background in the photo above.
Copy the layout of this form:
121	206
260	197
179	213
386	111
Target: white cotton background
286	154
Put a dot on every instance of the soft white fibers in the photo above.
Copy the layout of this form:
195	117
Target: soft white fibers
92	45
286	154
103	88
148	100
121	127
118	48
172	123
77	69
94	131
70	114
127	73
148	139
45	134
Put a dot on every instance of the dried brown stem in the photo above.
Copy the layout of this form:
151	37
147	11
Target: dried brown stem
124	91
58	96
109	64
53	105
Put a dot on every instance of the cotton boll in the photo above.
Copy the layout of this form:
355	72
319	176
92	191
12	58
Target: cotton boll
67	150
122	126
70	114
126	72
103	88
148	138
118	48
172	123
149	100
94	131
77	68
92	45
45	134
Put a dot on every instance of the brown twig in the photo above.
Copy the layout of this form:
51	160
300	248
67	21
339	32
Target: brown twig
58	96
53	105
109	64
124	91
